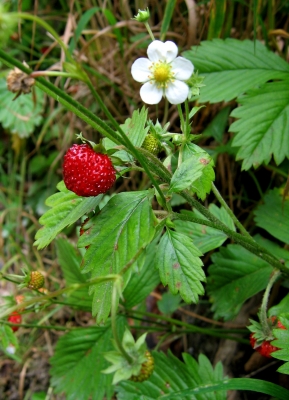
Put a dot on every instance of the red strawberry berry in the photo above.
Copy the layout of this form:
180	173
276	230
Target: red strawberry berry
87	173
15	318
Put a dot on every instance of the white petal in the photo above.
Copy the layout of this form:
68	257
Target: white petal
177	92
150	93
182	68
140	69
160	51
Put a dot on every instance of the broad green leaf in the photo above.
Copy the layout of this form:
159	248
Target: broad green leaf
179	265
273	215
169	303
236	274
203	184
232	67
69	259
216	128
122	228
282	342
205	237
262	125
134	128
171	376
189	171
78	363
142	283
23	114
66	208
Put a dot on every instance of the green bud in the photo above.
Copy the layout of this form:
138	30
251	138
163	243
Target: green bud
142	15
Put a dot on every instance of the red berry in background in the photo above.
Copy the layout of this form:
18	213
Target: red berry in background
15	318
87	173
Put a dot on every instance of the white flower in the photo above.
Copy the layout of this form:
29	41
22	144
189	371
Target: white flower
162	73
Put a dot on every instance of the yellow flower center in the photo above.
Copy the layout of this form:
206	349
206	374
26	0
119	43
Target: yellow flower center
162	73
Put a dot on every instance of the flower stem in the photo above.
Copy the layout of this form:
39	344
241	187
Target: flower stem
114	309
149	31
229	211
263	309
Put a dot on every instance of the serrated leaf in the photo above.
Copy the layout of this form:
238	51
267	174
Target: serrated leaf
21	115
69	259
280	308
232	67
205	237
179	265
123	227
66	209
203	184
235	274
262	125
171	376
143	282
273	215
189	172
282	340
78	363
134	128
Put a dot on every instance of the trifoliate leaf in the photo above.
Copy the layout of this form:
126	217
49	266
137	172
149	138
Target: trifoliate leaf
21	115
171	376
232	67
66	209
179	265
122	229
235	274
205	237
262	125
273	215
78	362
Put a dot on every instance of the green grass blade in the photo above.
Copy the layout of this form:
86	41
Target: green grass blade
167	18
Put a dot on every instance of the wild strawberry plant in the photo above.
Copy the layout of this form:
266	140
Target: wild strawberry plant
133	240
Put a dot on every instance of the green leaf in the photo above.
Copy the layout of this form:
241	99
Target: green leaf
273	215
280	308
282	342
21	115
143	282
262	127
205	237
179	265
216	128
66	209
122	228
85	18
232	67
69	259
235	274
78	363
203	184
171	376
189	171
169	303
167	17
134	128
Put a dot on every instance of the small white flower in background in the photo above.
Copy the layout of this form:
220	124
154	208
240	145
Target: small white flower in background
11	349
163	73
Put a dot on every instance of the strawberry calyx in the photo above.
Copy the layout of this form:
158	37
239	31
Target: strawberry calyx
260	338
